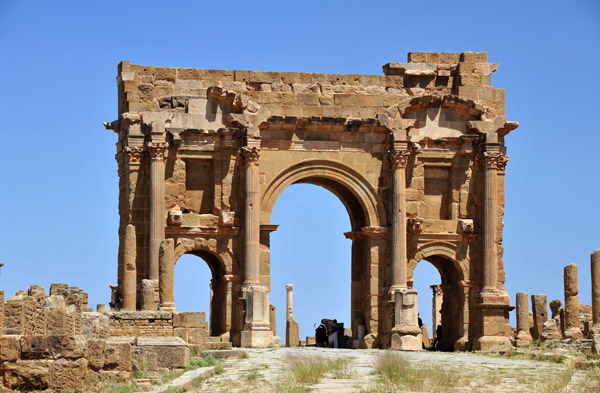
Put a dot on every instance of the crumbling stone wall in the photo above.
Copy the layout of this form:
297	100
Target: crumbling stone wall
55	342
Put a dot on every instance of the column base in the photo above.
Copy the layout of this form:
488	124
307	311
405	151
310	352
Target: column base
494	328
574	333
523	339
256	338
407	342
170	307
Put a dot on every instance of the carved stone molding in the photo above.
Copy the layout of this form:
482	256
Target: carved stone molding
493	160
398	158
250	155
175	218
414	225
466	227
134	154
156	150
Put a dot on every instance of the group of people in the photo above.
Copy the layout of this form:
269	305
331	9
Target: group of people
326	335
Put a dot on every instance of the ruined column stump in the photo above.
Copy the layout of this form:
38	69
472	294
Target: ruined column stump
523	337
572	324
539	307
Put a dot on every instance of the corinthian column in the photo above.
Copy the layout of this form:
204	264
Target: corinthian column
252	216
156	152
493	161
398	160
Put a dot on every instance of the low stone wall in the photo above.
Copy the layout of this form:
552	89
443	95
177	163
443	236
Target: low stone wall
74	363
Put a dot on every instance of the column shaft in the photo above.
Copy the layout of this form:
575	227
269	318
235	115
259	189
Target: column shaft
129	300
595	262
490	212
157	206
252	219
290	301
398	160
166	283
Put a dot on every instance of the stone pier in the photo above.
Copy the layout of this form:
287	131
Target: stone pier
572	325
523	337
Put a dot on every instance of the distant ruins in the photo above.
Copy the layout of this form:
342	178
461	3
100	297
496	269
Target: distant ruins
416	155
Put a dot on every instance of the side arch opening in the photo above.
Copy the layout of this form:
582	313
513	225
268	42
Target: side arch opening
200	286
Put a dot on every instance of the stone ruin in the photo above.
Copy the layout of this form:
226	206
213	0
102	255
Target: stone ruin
55	341
417	156
574	324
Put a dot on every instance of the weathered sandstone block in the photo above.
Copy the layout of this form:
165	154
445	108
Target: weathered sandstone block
189	319
27	374
68	375
171	352
118	354
95	353
10	348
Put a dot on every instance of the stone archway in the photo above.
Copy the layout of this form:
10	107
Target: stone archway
365	210
218	289
455	290
416	155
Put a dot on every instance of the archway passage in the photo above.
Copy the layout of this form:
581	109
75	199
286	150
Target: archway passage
452	300
309	251
200	286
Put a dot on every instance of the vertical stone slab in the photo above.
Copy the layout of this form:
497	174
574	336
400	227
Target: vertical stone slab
595	267
148	295
572	325
129	299
539	306
523	337
166	282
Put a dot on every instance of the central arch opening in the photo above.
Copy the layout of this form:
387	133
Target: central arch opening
310	251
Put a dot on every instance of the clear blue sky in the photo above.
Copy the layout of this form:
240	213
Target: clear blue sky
58	175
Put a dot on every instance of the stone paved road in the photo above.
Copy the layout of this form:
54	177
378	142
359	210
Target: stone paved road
265	369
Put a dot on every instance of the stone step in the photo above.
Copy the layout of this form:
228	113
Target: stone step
217	345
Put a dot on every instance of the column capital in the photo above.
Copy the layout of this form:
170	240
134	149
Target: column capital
289	287
493	160
250	155
134	154
156	150
398	158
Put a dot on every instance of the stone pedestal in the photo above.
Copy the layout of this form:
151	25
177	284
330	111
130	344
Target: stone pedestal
256	332
494	329
406	334
572	325
523	337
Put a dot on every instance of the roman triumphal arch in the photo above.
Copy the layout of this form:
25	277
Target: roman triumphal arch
416	155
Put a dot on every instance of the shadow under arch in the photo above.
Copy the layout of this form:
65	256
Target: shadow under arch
218	290
361	200
454	321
